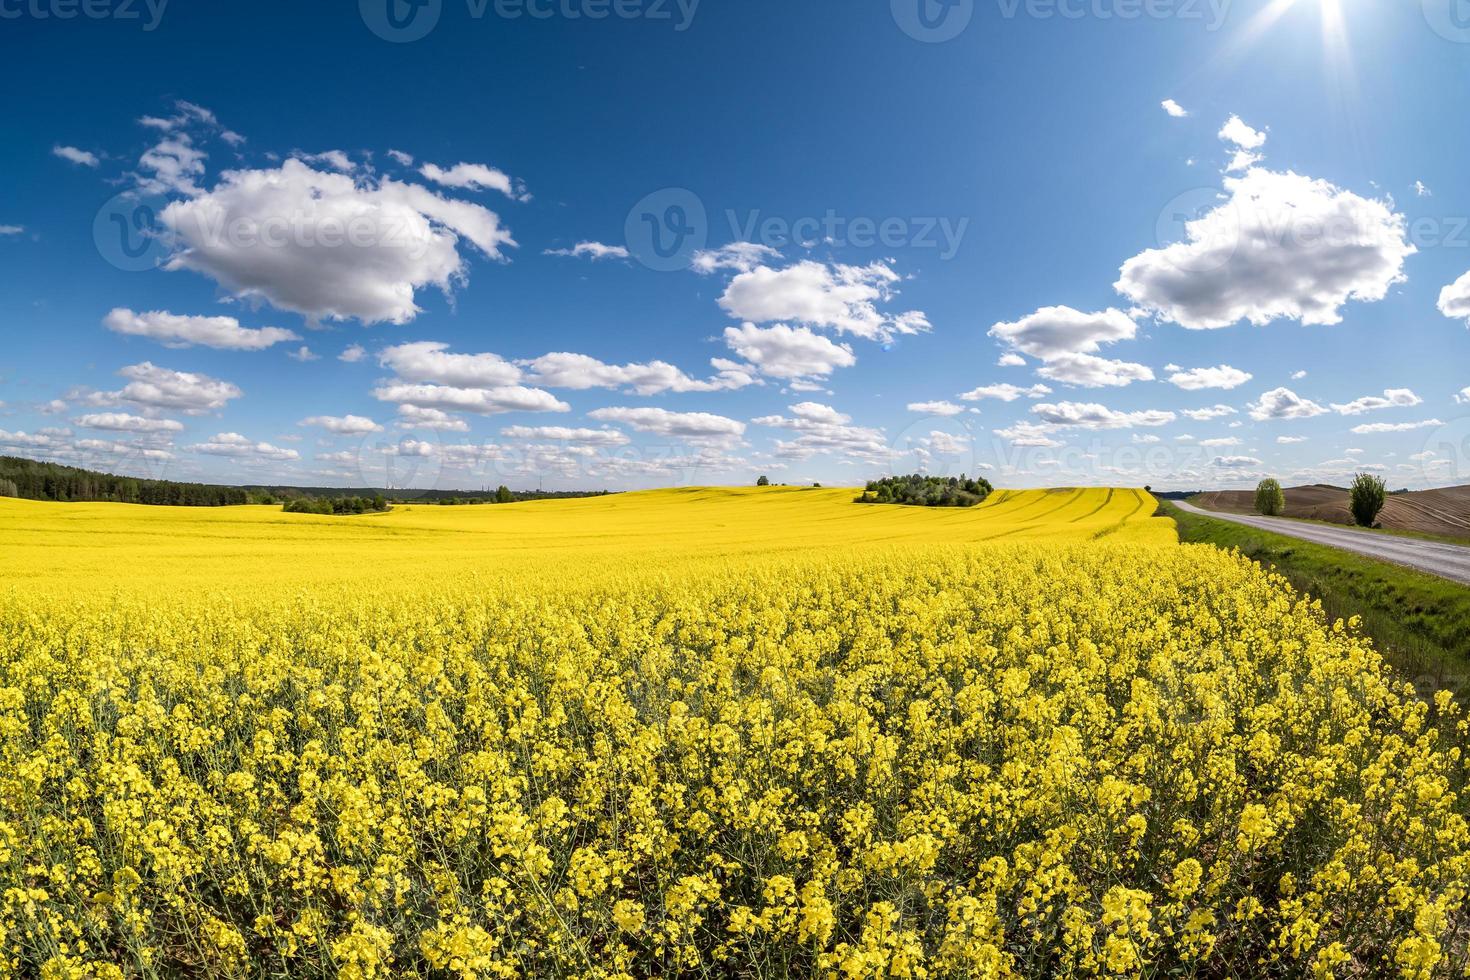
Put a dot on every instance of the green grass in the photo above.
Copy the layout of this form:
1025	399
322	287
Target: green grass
1421	623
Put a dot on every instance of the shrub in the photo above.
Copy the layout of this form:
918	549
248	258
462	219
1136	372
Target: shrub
764	481
1270	500
926	491
1365	498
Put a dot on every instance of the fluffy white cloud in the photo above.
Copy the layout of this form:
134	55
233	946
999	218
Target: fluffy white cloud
1283	403
345	425
788	352
595	251
1055	330
304	354
683	425
561	433
352	354
1279	245
480	401
1005	392
79	157
1223	376
427	360
1091	371
414	417
475	177
936	408
1376	427
335	159
838	297
1463	397
1220	442
581	372
123	422
1244	139
1011	359
1030	435
1205	414
326	246
176	330
1290	440
234	445
1234	462
1298	375
1391	398
1090	415
171	167
401	158
823	429
162	388
738	256
1454	299
1174	108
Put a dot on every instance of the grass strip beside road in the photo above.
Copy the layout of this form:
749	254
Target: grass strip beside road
1420	622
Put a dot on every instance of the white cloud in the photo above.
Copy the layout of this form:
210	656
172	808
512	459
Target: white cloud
1290	440
1283	403
1244	139
171	167
162	388
1375	427
176	330
1463	397
1056	330
1223	376
1279	246
1090	371
936	408
1298	375
560	433
1392	398
1422	191
1174	108
738	256
480	401
352	354
1454	299
823	429
1234	462
335	159
123	422
476	177
323	245
79	157
401	158
1220	442
234	445
595	251
1145	439
581	372
303	354
838	297
788	352
414	417
343	425
1090	415
682	425
11	229
1030	435
1011	359
1206	414
427	360
1005	392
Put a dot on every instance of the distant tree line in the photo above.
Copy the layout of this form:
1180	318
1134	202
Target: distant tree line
337	505
927	491
34	480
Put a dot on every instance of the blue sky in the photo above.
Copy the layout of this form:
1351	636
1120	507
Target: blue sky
809	233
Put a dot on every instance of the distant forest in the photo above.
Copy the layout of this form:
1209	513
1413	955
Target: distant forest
927	491
34	480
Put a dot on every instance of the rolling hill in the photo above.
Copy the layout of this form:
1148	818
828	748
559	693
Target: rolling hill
1444	511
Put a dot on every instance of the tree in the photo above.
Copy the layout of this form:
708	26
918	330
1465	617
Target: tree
764	481
1270	500
504	496
1365	498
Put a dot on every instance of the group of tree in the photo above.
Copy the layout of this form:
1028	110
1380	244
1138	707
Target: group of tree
35	480
337	505
1365	499
917	490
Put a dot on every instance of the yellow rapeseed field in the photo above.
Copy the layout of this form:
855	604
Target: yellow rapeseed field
704	732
